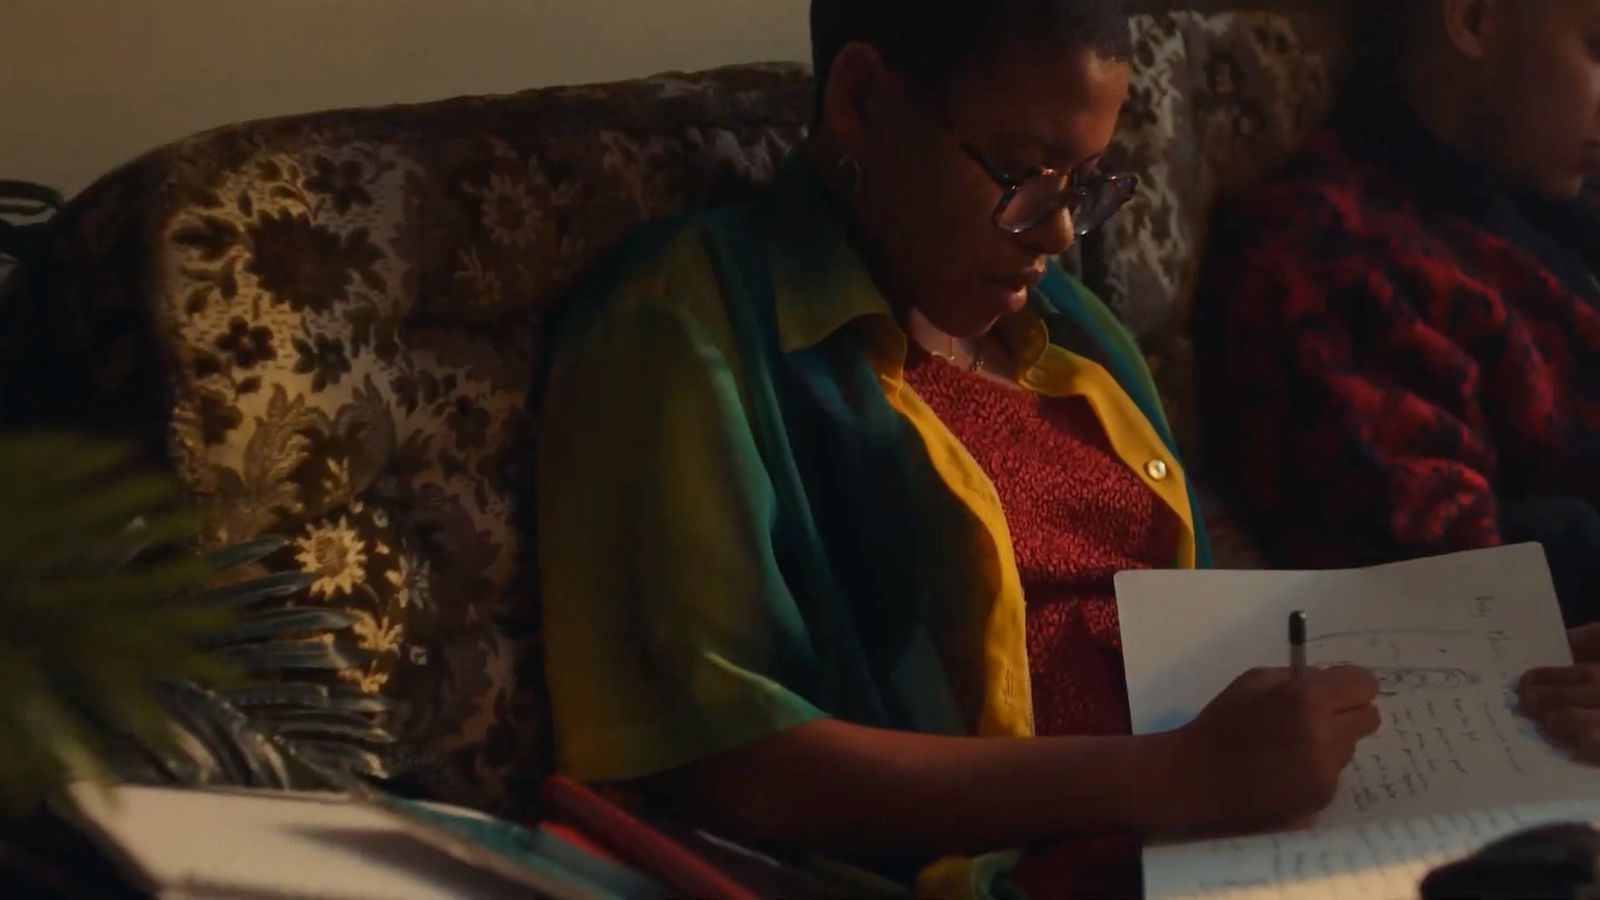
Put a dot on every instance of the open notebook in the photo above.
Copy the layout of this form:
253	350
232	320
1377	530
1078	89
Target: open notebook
1452	768
234	843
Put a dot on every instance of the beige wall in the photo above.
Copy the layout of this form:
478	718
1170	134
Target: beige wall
87	84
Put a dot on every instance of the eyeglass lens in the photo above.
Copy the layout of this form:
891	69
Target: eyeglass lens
1040	197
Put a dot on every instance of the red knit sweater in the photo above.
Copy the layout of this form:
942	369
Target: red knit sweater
1077	515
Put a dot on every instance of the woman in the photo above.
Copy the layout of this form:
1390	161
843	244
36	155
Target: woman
833	486
1400	333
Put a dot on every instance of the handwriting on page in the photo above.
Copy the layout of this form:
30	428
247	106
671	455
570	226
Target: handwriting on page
1436	743
1379	861
1447	639
1449	730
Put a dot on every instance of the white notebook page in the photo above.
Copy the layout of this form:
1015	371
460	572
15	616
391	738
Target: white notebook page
1379	861
238	844
1447	637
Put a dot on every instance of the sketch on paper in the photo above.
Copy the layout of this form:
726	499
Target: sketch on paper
1399	658
1411	679
1402	656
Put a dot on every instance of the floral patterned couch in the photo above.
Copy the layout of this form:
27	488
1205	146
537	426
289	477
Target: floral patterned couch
330	326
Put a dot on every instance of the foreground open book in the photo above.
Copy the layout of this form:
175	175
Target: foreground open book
182	843
1453	767
227	842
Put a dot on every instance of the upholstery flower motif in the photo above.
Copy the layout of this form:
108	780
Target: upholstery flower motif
306	265
481	280
413	580
212	237
337	555
1224	77
323	356
246	344
336	482
1140	111
343	184
469	422
509	214
367	681
407	390
218	416
380	635
286	224
1248	122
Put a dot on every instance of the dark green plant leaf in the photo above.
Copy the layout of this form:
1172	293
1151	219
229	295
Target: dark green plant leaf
33	748
226	559
247	756
259	590
100	513
179	759
336	756
53	459
93	613
123	648
280	623
339	723
356	701
143	537
293	694
140	587
279	656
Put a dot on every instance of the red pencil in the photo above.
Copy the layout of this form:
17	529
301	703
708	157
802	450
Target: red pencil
639	844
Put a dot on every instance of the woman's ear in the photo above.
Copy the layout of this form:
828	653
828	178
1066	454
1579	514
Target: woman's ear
853	99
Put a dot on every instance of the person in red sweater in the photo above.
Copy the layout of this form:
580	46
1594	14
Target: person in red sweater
1400	332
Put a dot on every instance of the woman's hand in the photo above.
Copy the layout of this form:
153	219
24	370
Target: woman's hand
1585	641
1565	701
1269	749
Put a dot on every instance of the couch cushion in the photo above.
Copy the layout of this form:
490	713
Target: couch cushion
345	311
1217	100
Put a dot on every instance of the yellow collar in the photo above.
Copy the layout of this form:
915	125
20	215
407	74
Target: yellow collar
821	284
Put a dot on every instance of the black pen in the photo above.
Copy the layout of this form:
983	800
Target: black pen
1297	644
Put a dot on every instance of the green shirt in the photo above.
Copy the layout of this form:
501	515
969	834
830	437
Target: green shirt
747	521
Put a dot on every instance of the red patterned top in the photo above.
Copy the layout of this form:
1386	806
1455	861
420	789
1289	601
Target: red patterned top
1078	516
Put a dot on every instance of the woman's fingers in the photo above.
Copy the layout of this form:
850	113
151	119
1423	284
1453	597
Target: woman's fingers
1534	701
1585	641
1562	676
1575	728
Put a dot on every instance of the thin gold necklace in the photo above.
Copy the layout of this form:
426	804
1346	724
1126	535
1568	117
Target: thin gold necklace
951	356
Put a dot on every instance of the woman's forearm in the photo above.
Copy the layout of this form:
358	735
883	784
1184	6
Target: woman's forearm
832	785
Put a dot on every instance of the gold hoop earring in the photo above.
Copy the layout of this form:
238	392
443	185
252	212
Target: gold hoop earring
847	174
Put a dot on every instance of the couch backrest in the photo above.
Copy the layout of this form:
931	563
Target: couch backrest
335	321
336	318
1217	100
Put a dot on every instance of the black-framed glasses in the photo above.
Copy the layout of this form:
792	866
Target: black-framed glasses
1040	192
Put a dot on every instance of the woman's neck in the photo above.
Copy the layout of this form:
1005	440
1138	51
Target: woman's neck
845	197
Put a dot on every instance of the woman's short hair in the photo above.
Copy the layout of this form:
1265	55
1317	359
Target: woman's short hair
934	41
